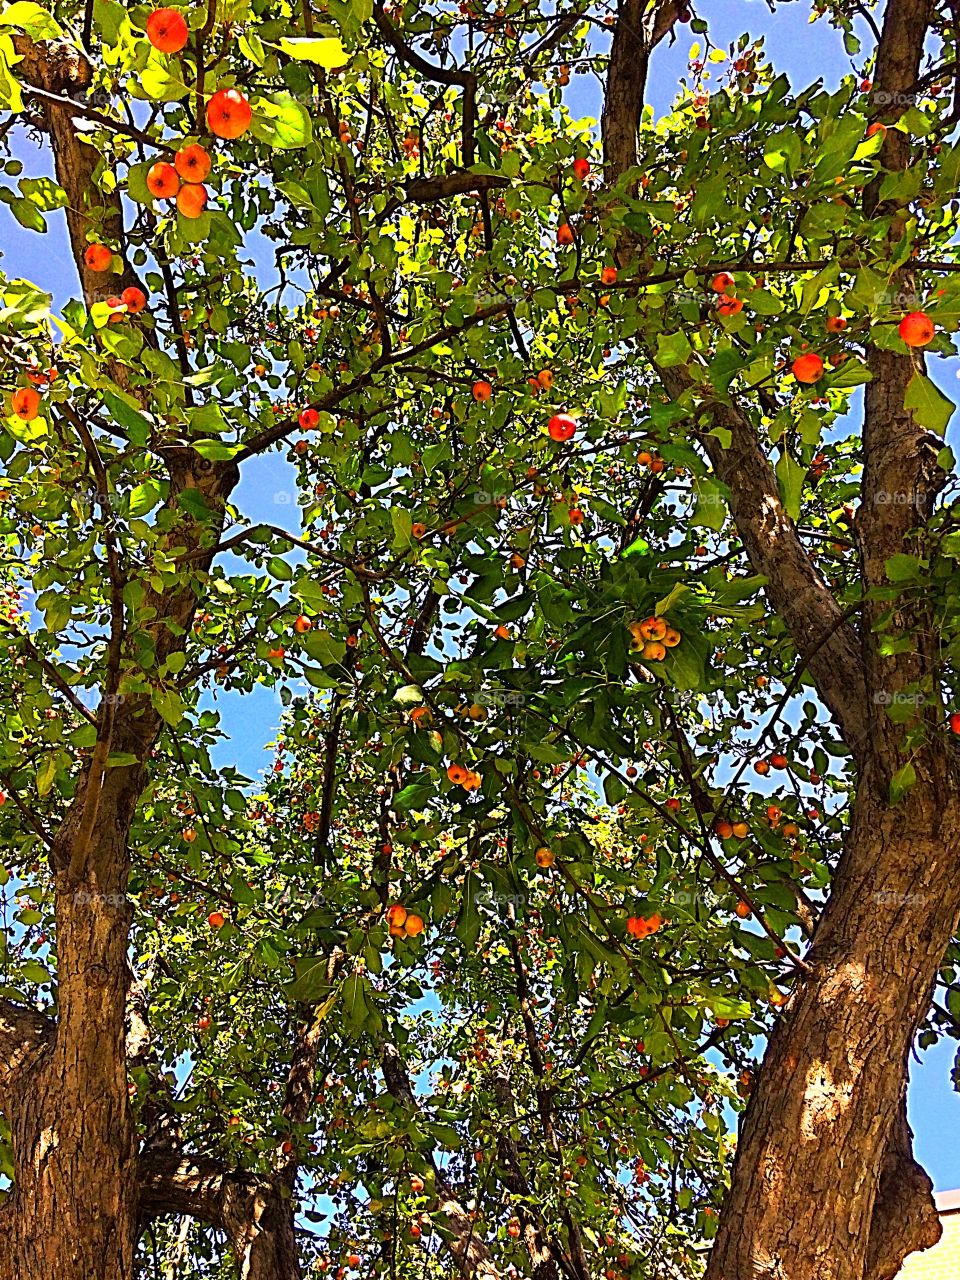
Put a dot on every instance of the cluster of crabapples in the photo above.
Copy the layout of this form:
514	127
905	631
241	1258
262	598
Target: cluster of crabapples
560	428
461	776
653	637
402	923
727	830
916	329
182	181
643	926
228	115
26	401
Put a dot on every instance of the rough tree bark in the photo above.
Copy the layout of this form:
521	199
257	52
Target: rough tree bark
253	1212
824	1185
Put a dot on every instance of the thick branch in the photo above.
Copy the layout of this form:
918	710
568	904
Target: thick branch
254	1212
641	25
59	71
442	186
901	476
466	80
794	587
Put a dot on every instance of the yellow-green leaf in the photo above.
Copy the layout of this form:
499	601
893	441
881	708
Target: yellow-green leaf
327	52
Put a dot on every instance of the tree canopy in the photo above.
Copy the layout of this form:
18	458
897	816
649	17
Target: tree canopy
614	619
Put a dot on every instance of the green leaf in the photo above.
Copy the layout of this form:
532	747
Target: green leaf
11	98
903	568
216	450
144	497
31	18
207	419
138	427
281	121
510	164
280	569
852	373
415	795
782	152
108	17
161	80
402	522
327	52
169	705
46	773
930	407
790	477
814	290
901	782
673	349
309	980
638	547
33	971
727	1007
711	506
195	504
251	46
321	646
26	213
44	193
468	920
409	695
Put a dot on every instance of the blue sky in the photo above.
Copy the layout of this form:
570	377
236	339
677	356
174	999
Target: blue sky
802	50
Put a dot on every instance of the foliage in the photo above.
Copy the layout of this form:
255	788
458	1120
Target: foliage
470	586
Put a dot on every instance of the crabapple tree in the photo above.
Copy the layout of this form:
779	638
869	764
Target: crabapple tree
604	873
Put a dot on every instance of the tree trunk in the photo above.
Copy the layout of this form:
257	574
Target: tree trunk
74	1200
828	1104
259	1220
73	1211
824	1184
